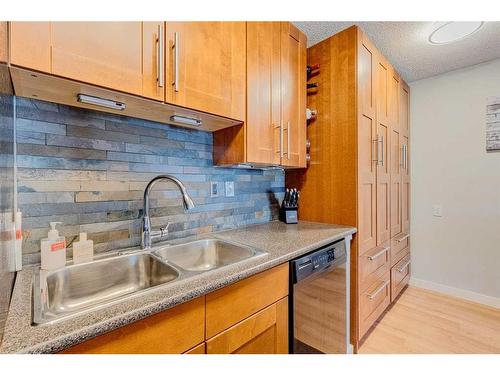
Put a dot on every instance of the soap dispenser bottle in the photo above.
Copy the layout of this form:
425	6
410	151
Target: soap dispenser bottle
53	249
83	250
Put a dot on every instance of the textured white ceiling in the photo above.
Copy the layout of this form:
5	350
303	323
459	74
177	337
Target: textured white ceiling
405	45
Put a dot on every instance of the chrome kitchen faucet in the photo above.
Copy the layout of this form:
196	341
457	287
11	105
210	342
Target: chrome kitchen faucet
147	235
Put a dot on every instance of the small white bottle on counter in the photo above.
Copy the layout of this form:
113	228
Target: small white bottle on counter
83	250
53	249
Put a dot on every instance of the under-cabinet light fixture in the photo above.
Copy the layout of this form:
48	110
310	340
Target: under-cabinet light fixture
186	120
101	102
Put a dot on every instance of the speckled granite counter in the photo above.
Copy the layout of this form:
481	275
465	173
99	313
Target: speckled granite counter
282	243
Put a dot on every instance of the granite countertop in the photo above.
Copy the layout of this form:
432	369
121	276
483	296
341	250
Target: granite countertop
282	243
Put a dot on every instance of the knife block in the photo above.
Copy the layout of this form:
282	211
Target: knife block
289	215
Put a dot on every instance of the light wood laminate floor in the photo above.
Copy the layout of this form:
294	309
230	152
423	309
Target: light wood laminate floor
422	321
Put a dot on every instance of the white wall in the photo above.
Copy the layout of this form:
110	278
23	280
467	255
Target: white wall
459	252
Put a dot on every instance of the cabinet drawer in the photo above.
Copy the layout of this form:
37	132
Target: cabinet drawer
372	303
170	332
400	275
399	246
230	305
373	265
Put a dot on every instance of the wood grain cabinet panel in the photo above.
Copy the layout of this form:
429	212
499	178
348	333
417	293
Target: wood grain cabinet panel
206	68
400	276
122	56
357	174
265	332
293	96
383	75
275	128
30	45
367	153
228	306
173	331
4	43
263	125
198	349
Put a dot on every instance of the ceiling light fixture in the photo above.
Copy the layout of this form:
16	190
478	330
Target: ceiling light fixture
448	32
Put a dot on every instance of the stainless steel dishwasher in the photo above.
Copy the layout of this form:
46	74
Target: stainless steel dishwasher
319	307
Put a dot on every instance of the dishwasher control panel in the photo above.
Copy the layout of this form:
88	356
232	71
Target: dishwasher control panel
318	260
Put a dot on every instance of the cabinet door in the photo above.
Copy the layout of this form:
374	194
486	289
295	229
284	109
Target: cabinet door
293	96
206	66
123	56
383	78
265	332
263	127
395	156
173	331
3	42
30	45
405	131
367	130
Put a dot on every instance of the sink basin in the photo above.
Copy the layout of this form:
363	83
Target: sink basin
82	287
205	255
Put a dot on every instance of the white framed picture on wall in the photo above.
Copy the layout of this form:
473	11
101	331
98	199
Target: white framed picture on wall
493	123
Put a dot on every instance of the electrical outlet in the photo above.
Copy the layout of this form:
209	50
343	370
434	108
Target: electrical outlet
229	188
214	189
437	210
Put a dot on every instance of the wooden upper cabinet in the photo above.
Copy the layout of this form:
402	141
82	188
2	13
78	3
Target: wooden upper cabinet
4	46
206	67
123	56
30	45
275	128
263	125
293	96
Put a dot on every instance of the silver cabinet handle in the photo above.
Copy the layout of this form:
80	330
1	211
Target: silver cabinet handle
175	47
402	161
278	151
403	267
405	159
288	141
403	237
382	161
376	255
376	292
158	63
375	152
161	57
282	153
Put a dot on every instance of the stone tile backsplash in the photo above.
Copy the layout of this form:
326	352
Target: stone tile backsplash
89	170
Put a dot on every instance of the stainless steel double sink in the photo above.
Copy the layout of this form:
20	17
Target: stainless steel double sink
80	288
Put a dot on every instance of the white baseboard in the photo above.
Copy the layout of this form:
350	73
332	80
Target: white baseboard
455	292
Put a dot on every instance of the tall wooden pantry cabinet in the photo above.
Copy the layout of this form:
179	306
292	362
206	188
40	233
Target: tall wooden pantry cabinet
359	169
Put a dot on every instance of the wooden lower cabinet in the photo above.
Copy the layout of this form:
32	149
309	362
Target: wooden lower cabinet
249	316
198	349
400	276
373	301
265	332
173	331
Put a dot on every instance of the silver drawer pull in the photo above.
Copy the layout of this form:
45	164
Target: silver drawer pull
402	238
403	267
175	48
378	290
376	255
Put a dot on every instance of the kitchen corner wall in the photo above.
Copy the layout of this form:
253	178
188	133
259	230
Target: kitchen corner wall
89	170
